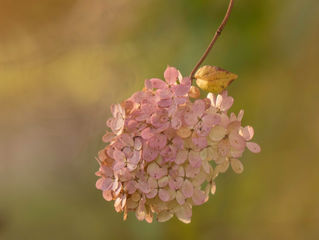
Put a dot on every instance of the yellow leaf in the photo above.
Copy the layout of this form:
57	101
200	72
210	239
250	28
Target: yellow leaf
214	79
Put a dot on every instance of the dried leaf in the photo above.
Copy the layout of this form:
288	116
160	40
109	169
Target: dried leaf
214	79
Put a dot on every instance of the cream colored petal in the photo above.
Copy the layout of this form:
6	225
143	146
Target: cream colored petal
221	160
180	198
206	166
222	167
217	133
203	154
164	216
213	188
131	204
184	132
184	213
149	217
136	197
237	165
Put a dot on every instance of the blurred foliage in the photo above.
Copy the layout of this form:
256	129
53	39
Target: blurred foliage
62	64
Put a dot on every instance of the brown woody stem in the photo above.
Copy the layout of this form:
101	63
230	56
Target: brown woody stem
216	35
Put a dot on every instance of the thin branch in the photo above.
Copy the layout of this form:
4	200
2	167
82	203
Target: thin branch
216	35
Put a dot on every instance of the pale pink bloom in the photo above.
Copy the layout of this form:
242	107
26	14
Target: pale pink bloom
170	93
164	151
197	118
221	102
155	171
157	142
149	154
247	133
160	119
122	161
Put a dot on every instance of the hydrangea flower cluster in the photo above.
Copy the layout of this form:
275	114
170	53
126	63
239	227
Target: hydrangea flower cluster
165	151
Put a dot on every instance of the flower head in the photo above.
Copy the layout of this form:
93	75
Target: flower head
164	151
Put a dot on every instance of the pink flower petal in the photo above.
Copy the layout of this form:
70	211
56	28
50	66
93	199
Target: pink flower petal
200	142
118	166
169	153
181	157
240	115
236	141
163	194
107	172
130	187
157	142
131	167
117	109
143	187
176	122
198	197
190	118
247	133
165	103
151	194
223	147
253	147
187	189
138	143
191	171
155	83
199	107
149	154
180	198
180	90
180	100
126	139
147	133
159	118
104	184
202	129
186	81
171	75
153	170
164	93
118	155
108	137
107	195
211	119
117	124
176	183
194	159
226	104
152	182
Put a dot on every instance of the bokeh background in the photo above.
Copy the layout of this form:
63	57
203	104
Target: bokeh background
63	62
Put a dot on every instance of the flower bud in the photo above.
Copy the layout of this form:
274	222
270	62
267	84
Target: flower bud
194	92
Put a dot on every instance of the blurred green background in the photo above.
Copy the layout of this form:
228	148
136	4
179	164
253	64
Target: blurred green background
63	62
